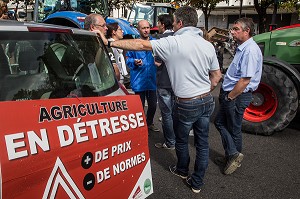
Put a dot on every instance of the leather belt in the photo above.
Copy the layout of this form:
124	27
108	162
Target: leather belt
192	98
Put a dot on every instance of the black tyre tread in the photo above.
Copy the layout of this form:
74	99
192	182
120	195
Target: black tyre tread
287	96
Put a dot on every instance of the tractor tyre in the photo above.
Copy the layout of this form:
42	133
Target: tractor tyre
274	103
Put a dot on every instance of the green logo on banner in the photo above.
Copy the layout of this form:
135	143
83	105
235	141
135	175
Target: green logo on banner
147	186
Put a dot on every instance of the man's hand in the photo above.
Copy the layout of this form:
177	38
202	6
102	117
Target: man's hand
158	64
138	62
239	87
157	61
214	77
101	35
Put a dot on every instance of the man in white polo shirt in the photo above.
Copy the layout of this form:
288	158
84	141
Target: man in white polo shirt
194	71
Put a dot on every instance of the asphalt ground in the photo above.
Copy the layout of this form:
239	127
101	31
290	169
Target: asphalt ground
270	169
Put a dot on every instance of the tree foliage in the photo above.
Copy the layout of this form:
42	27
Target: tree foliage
119	4
261	9
288	5
205	5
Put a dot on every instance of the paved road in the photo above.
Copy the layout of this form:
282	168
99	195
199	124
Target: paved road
270	170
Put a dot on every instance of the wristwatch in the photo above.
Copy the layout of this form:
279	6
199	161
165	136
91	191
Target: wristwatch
227	98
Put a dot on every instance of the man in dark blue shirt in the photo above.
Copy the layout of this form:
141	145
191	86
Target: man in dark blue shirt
165	94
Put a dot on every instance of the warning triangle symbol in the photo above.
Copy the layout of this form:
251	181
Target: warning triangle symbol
60	177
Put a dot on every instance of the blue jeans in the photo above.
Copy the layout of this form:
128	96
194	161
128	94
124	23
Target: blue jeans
166	99
187	115
152	103
229	121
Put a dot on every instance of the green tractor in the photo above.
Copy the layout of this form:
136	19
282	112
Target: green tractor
276	101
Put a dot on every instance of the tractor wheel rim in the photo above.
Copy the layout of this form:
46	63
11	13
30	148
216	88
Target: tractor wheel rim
263	105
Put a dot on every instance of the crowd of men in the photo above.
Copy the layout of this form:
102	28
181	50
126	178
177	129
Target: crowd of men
179	70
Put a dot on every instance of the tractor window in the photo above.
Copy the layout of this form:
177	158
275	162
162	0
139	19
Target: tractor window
47	7
39	65
162	10
141	12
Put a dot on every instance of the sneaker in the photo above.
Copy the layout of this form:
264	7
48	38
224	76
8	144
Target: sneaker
189	182
220	161
233	163
153	128
164	146
173	170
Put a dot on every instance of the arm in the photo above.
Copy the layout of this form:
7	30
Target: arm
132	60
132	44
239	87
157	61
127	44
117	71
214	77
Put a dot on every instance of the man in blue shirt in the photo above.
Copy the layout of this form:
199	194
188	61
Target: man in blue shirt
143	74
241	79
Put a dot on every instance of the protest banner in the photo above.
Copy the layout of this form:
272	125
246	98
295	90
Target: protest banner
75	148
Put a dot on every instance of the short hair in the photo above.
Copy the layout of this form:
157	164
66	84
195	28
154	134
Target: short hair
139	22
247	24
167	20
187	15
90	19
110	28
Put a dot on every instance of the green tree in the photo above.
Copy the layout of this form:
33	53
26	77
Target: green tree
288	5
261	9
206	6
119	4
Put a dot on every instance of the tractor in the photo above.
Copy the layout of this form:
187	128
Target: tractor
276	101
73	12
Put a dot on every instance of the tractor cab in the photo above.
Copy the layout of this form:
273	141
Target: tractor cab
149	11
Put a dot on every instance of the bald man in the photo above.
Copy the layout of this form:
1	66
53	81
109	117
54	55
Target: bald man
143	74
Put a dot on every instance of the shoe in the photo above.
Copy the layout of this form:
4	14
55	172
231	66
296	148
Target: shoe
220	161
189	182
163	146
153	128
233	163
173	170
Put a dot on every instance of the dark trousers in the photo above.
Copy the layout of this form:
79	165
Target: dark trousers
193	114
166	99
229	121
151	97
